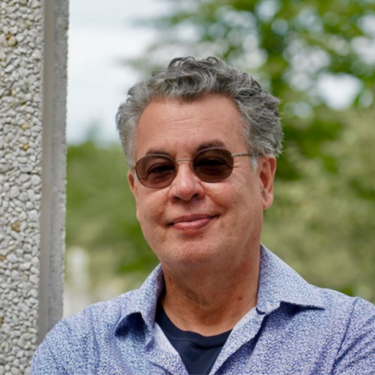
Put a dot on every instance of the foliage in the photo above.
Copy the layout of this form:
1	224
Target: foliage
323	225
101	211
292	46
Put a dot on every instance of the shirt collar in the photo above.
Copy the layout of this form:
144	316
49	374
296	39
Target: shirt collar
143	301
278	283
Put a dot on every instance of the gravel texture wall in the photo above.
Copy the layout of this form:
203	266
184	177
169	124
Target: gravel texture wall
28	277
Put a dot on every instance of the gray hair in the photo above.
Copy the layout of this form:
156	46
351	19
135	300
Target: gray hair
187	79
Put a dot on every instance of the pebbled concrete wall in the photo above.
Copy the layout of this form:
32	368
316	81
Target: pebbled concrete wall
33	54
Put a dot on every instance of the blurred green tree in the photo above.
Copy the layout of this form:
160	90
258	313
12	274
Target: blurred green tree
323	225
294	47
101	213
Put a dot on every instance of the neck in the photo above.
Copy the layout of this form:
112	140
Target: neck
210	302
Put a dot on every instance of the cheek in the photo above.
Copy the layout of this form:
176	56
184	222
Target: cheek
248	203
149	209
148	222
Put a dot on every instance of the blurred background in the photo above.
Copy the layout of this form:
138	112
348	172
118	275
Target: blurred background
318	57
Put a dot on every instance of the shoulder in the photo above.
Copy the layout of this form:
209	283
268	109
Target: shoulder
280	283
73	342
349	317
349	328
342	327
356	317
351	309
94	317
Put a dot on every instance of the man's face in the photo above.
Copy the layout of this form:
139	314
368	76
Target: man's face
192	223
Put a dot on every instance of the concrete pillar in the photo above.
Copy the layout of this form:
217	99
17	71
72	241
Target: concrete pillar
33	65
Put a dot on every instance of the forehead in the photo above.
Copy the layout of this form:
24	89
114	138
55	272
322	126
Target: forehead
173	126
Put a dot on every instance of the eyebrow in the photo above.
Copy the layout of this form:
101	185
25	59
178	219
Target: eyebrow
202	146
215	143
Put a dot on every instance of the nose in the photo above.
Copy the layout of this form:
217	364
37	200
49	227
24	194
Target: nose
186	185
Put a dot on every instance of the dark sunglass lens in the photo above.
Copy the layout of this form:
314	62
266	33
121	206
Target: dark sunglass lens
155	171
213	165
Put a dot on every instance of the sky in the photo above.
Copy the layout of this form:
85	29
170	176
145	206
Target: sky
100	34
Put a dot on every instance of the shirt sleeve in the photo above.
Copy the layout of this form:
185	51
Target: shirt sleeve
45	362
357	352
65	349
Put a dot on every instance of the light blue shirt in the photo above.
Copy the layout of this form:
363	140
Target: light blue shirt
296	328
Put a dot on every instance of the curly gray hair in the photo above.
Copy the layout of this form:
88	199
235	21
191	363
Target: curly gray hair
187	79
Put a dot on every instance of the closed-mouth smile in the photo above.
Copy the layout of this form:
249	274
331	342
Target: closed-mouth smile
192	222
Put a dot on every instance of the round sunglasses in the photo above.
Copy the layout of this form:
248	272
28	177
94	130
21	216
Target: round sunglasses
157	171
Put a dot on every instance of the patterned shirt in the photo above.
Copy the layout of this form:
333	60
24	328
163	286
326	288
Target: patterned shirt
295	328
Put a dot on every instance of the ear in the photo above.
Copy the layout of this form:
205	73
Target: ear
134	189
267	169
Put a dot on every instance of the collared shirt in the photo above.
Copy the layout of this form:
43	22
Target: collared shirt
295	328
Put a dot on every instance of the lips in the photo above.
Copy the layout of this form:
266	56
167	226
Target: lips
192	222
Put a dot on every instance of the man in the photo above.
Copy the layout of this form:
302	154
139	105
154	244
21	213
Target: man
201	139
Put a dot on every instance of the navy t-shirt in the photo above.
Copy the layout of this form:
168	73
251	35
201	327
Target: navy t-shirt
197	352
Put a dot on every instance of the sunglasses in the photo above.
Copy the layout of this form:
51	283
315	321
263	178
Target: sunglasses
157	171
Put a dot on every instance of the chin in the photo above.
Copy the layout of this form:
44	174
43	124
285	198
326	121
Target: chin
192	257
